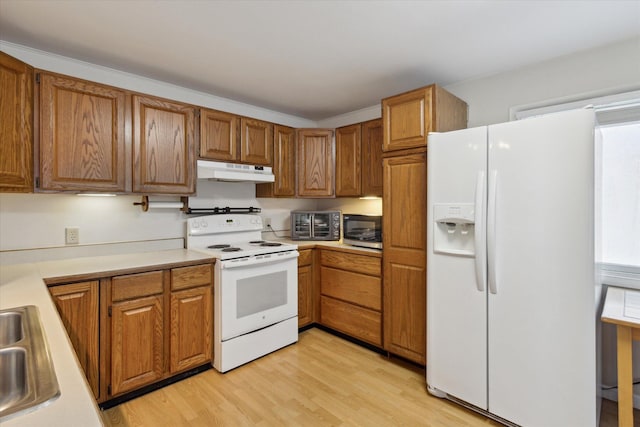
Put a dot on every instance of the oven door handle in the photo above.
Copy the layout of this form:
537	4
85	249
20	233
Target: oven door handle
258	260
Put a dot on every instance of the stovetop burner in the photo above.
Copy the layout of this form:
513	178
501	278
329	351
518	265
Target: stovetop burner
256	242
231	249
270	244
220	246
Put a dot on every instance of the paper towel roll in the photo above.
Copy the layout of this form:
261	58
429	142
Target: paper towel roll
166	205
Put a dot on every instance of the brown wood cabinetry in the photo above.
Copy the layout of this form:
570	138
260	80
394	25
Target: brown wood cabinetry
305	288
82	135
348	161
256	141
16	125
163	146
315	160
191	317
407	119
372	158
77	304
284	165
218	135
351	294
137	331
404	243
410	116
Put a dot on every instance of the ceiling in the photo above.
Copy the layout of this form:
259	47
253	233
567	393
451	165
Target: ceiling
315	59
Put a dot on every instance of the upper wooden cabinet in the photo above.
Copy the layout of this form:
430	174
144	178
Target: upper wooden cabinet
256	141
16	125
348	161
372	158
284	165
218	135
410	116
163	146
315	156
82	135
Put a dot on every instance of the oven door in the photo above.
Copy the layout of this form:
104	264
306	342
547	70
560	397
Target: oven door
256	292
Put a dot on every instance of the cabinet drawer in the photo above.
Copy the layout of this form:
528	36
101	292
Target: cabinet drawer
189	277
358	263
136	285
355	321
305	257
352	287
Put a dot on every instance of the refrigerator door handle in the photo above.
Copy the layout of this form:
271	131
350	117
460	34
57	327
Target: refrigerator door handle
479	235
491	231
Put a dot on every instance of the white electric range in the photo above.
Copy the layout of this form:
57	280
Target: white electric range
255	287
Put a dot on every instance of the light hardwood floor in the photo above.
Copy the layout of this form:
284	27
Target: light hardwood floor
322	380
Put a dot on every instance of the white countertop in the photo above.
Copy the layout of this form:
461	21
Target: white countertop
23	284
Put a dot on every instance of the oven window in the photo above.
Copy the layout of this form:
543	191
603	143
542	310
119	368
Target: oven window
261	293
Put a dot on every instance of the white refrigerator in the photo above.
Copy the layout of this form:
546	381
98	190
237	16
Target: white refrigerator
511	311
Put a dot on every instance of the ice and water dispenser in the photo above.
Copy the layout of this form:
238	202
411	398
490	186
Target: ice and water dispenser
454	229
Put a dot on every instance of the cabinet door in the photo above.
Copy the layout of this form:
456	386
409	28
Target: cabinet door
348	172
404	259
218	133
305	295
284	165
163	146
407	119
77	304
16	126
82	135
372	158
191	328
315	155
256	142
136	343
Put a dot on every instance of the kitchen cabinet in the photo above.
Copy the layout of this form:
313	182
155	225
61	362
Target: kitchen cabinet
218	135
351	294
410	116
16	125
372	158
137	331
164	159
305	288
404	258
348	161
256	142
191	317
82	135
77	304
315	160
284	165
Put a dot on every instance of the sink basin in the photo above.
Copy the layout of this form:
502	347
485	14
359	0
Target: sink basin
28	378
10	328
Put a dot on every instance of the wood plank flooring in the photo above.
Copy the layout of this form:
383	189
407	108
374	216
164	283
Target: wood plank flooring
322	380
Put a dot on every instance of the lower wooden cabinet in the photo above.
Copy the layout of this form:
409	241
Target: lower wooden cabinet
351	294
77	304
133	330
305	288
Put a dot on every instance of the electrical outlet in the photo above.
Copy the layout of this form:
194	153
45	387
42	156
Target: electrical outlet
267	223
72	235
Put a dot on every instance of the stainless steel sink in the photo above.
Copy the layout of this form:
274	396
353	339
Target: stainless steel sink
28	380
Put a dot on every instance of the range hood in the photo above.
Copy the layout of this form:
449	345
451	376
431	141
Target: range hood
233	172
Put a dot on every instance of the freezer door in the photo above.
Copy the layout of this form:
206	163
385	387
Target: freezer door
456	300
542	355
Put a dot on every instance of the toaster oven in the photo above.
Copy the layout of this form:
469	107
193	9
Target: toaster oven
315	225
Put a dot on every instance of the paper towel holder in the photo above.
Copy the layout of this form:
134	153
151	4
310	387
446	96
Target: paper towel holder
145	204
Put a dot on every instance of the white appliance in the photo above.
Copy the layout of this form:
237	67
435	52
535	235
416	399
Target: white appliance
511	312
255	287
221	171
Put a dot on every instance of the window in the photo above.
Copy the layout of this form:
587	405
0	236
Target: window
617	183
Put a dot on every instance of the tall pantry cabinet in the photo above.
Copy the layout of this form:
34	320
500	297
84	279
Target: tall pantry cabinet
407	119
